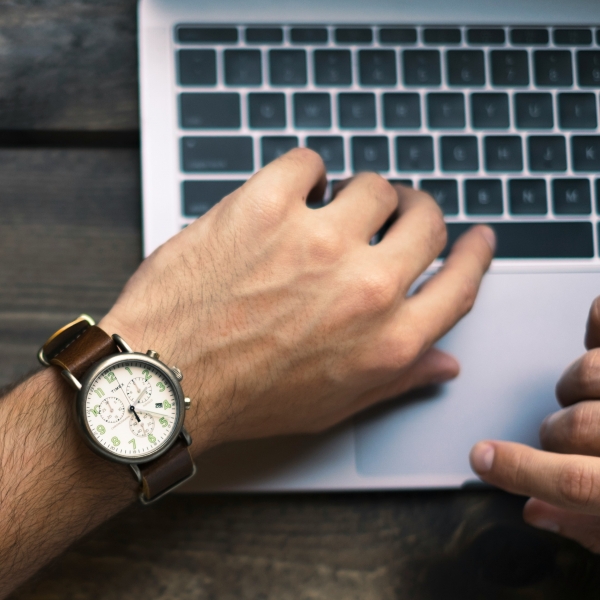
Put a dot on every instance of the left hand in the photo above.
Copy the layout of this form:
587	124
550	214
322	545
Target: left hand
564	479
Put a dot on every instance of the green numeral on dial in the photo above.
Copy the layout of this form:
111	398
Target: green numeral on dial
163	422
161	386
101	429
96	410
166	404
128	370
151	438
99	392
115	440
146	374
110	377
132	442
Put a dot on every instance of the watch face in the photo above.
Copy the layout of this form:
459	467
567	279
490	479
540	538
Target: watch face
131	408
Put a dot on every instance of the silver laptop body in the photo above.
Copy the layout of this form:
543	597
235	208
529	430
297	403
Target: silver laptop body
490	106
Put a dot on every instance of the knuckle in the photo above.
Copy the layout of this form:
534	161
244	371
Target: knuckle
380	189
589	368
376	291
326	245
302	156
580	421
433	220
577	484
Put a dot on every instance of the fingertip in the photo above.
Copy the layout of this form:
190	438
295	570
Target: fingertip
541	515
489	236
481	457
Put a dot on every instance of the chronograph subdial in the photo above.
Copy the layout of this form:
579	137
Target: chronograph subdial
138	390
143	427
111	410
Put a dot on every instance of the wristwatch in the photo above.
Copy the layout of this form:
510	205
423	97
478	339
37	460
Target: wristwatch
129	406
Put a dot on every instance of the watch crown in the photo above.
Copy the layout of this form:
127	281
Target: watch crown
187	403
178	374
153	354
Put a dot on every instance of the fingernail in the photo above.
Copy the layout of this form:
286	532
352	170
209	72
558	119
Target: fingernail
482	458
546	524
490	237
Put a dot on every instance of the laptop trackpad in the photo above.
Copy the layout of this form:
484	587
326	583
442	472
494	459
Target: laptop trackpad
525	329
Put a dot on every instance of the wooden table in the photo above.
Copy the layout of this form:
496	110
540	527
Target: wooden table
70	238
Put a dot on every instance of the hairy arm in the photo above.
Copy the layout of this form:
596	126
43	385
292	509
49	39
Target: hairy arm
283	319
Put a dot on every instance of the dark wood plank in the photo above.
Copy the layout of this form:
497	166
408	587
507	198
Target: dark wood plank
68	64
394	546
69	240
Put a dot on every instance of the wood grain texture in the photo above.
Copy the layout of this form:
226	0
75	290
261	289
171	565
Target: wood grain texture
68	64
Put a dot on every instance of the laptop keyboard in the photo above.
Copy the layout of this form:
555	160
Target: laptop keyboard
499	125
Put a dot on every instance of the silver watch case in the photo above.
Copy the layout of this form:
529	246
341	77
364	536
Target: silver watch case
85	386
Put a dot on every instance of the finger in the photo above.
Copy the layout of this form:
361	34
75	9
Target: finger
581	380
434	367
451	293
584	529
573	430
592	333
363	205
417	236
566	481
296	176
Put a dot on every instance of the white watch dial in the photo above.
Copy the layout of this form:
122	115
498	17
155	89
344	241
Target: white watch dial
131	409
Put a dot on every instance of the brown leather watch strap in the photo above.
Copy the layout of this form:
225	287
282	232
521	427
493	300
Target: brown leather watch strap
168	470
77	346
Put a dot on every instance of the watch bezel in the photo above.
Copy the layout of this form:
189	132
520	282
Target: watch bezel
80	409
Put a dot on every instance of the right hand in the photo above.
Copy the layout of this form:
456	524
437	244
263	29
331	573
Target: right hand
284	319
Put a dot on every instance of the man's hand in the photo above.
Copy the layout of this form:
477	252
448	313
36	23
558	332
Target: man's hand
285	319
564	481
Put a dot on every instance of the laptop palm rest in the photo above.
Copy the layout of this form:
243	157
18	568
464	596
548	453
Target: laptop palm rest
523	331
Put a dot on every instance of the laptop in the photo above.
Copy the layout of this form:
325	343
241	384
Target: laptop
491	107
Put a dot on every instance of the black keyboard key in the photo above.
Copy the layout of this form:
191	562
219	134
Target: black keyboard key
422	67
577	111
356	111
200	196
444	192
510	68
243	67
489	111
466	67
264	35
332	67
401	111
553	68
273	147
287	67
446	111
572	37
527	196
486	36
585	151
436	35
377	67
483	197
207	35
547	153
571	196
414	153
197	67
536	240
534	111
210	111
397	35
598	196
309	35
353	35
588	68
370	153
331	150
217	154
312	110
529	37
266	111
503	153
459	153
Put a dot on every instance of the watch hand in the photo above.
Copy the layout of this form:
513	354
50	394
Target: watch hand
136	385
109	406
150	412
140	396
136	415
123	419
